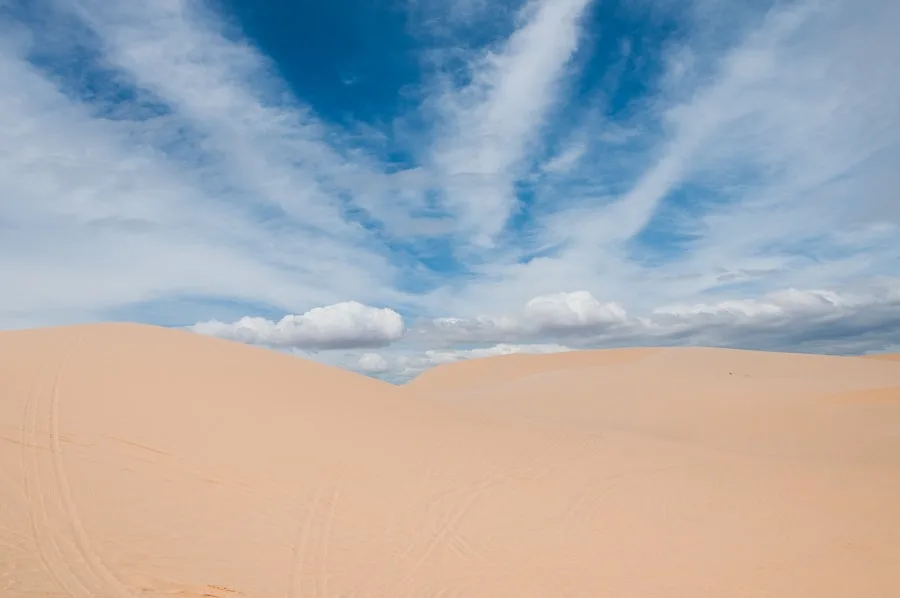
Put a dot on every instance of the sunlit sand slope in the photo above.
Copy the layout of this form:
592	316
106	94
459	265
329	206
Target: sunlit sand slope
141	462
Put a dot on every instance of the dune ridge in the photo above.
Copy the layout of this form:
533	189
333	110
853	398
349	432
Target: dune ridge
139	462
884	356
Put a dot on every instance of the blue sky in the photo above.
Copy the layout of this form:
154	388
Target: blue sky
392	184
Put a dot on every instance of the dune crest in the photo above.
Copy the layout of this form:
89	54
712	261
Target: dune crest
481	373
884	356
143	462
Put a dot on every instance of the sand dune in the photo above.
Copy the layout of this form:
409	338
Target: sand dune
885	356
483	373
143	462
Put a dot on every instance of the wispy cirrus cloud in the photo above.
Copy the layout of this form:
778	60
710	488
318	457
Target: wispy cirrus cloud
718	173
488	127
222	189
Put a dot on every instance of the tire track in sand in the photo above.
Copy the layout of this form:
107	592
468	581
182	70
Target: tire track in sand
326	539
298	549
461	501
455	541
446	530
111	584
308	535
48	550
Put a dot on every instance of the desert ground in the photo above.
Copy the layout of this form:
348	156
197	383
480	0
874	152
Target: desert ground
141	462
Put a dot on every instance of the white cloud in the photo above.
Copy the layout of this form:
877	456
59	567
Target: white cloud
567	159
775	304
339	326
492	123
771	153
209	184
560	314
567	311
373	363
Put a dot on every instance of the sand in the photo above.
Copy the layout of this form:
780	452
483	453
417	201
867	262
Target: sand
141	462
887	356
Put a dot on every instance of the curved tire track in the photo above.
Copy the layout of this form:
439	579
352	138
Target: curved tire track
307	535
326	540
111	584
66	554
47	548
446	529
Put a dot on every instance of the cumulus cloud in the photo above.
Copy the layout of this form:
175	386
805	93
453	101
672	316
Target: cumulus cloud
570	311
560	314
339	326
373	363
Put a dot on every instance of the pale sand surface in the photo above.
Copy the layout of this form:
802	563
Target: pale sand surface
887	356
138	462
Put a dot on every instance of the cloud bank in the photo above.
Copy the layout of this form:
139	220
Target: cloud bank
856	320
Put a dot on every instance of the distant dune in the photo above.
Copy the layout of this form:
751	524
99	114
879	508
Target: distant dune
143	462
481	373
886	356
